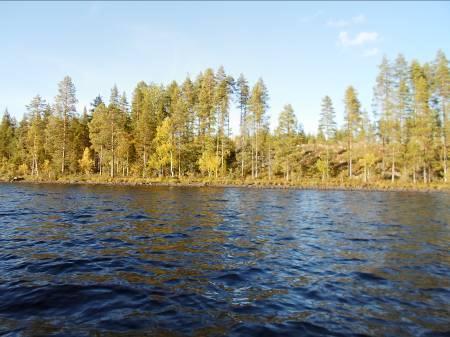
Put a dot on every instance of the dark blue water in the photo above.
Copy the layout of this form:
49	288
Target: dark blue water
160	261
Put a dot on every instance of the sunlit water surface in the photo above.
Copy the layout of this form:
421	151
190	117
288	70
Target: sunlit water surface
161	261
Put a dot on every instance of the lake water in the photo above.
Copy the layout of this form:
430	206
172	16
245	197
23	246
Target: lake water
172	261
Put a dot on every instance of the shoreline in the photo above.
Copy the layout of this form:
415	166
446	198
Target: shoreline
257	185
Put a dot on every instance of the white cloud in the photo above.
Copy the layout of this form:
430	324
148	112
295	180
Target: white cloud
371	52
358	19
360	38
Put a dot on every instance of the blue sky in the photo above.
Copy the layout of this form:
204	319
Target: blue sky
302	50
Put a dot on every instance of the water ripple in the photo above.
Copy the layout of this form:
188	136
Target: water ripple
136	261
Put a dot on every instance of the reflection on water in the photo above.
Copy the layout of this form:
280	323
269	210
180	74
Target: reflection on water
161	261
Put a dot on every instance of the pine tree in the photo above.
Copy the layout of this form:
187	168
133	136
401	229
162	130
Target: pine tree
98	133
243	94
7	138
65	108
36	129
402	103
367	135
123	103
148	112
327	126
223	92
79	131
286	134
114	98
389	122
164	148
442	88
190	144
258	105
423	123
106	131
95	103
352	122
206	106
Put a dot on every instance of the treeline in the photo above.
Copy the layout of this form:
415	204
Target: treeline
183	130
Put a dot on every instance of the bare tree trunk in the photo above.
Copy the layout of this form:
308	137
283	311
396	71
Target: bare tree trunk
445	162
328	160
393	166
383	159
256	153
145	161
171	163
222	159
444	137
217	152
253	166
179	161
242	155
350	171
101	159
63	164
112	148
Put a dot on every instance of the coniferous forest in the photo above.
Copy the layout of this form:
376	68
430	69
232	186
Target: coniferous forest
181	131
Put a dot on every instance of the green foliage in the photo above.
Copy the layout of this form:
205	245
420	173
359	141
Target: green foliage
86	163
183	130
322	167
163	155
208	162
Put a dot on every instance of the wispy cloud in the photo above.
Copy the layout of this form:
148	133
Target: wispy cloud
360	39
341	23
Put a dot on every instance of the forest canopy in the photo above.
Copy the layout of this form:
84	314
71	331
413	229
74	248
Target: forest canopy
183	130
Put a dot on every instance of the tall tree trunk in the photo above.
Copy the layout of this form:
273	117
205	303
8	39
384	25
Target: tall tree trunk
253	166
222	159
424	174
383	159
101	159
171	163
328	159
217	150
256	152
393	165
63	164
444	138
145	160
179	161
112	148
350	171
242	154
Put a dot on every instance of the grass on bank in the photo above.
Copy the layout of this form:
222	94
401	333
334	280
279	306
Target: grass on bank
332	183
